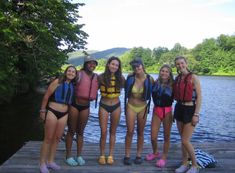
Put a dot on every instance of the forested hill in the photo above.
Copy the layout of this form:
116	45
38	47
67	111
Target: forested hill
214	56
76	58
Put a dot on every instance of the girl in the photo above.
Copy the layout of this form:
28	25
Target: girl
138	89
162	113
111	82
187	93
54	112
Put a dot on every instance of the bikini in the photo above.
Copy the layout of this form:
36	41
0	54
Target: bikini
57	113
138	94
109	108
80	107
161	112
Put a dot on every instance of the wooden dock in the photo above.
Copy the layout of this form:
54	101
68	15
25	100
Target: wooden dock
27	158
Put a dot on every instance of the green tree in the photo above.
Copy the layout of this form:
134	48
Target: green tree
35	39
157	52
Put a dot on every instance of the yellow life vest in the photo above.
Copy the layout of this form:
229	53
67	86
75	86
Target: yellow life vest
111	91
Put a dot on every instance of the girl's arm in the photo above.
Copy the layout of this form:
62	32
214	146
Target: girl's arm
46	97
197	87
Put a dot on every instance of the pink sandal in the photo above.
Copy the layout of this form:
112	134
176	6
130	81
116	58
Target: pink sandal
152	156
161	163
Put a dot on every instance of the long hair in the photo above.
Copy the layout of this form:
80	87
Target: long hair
63	77
171	77
178	58
106	76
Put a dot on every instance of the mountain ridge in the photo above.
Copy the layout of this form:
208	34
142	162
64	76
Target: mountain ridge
77	58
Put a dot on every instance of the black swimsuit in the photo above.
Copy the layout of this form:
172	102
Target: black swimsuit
80	107
57	113
108	108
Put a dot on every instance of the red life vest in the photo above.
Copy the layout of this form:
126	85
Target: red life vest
183	88
87	86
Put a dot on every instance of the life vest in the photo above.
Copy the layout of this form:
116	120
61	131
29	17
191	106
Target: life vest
183	89
63	93
146	96
111	91
162	95
87	86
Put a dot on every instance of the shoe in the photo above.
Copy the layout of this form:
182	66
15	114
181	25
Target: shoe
110	160
43	169
161	163
182	169
102	160
138	160
71	161
127	161
53	166
193	170
80	161
152	156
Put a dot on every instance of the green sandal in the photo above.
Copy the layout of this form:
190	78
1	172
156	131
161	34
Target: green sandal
80	161
71	161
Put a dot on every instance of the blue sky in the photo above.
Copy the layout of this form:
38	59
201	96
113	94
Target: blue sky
153	23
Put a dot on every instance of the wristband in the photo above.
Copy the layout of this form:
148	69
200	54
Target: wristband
196	114
42	110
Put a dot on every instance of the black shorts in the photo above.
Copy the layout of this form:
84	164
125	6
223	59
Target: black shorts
184	113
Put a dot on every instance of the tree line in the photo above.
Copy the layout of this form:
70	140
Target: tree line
214	56
36	37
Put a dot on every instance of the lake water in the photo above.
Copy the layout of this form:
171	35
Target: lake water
19	119
217	120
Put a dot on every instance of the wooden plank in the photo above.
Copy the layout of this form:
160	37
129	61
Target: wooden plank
27	158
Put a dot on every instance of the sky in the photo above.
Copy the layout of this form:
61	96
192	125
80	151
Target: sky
154	23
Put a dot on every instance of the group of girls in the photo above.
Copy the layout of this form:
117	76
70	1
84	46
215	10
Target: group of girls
67	101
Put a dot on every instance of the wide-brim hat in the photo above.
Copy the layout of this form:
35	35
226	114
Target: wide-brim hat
89	59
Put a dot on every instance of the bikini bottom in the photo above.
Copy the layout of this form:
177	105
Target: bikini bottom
162	111
136	109
57	113
80	108
109	108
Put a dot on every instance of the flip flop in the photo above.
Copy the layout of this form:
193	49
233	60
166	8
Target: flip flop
71	161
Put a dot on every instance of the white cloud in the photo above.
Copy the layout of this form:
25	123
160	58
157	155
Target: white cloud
153	23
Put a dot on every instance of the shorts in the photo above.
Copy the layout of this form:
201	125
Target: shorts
184	113
162	111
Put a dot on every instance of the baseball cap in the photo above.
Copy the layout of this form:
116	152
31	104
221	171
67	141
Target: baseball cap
136	62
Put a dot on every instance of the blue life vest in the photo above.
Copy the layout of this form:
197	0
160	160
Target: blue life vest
63	93
146	96
162	95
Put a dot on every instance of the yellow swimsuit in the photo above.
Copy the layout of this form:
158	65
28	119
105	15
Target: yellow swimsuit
137	93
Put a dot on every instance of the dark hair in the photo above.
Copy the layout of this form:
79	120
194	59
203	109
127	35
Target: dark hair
63	77
106	76
178	58
171	79
84	67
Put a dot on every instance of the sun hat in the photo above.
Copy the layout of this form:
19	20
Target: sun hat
90	58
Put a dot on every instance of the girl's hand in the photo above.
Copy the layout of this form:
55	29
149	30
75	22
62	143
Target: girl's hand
195	120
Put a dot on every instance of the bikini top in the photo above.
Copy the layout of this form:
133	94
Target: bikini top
135	90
